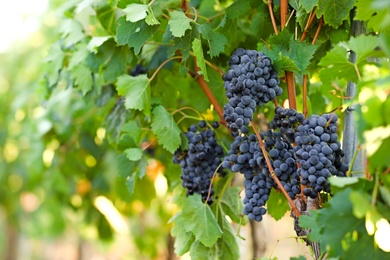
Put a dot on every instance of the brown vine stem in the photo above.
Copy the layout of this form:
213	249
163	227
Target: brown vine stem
305	111
162	65
271	13
283	13
211	183
273	175
275	103
320	22
292	97
220	72
209	94
310	21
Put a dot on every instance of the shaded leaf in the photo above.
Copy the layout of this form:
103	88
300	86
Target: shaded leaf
308	4
334	11
107	16
238	9
110	60
216	40
134	34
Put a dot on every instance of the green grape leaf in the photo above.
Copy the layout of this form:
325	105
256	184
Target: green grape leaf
238	9
150	18
131	182
310	222
110	60
370	12
199	220
96	42
124	166
360	203
71	32
232	204
179	23
165	128
216	40
308	5
334	11
288	54
198	251
134	34
337	65
301	53
135	12
283	63
132	129
82	77
184	239
227	246
363	46
277	205
136	90
133	154
198	52
107	16
78	56
54	60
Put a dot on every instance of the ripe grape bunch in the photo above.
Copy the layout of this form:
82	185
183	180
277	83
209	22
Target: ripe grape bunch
200	161
245	156
319	153
286	121
283	162
250	81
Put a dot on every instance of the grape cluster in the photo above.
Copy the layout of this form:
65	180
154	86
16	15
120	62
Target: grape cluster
286	120
257	190
319	153
201	160
245	157
250	81
283	161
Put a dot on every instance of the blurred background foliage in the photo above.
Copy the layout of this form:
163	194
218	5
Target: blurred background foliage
58	173
62	166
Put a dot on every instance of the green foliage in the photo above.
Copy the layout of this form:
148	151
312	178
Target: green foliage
136	91
334	12
179	23
277	205
165	128
288	54
78	126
